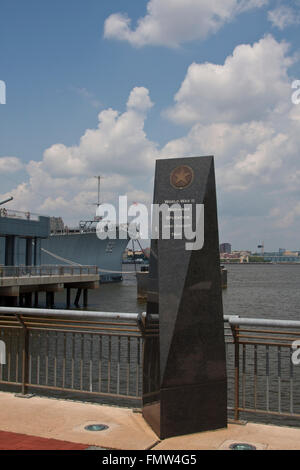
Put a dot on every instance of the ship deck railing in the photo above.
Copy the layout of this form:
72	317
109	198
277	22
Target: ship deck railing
70	231
99	356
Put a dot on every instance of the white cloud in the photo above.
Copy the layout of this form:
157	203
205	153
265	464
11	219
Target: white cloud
252	83
284	16
285	216
256	148
247	155
119	141
73	198
241	112
63	182
10	164
172	22
257	174
88	96
139	99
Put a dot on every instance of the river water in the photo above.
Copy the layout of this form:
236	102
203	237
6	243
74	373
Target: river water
258	291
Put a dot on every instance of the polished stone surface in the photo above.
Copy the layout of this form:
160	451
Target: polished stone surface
185	289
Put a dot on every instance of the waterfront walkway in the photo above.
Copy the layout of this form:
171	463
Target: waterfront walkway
14	441
50	424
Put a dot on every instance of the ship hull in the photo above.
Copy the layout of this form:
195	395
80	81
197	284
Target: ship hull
88	250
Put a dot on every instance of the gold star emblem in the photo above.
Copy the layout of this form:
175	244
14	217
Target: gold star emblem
181	177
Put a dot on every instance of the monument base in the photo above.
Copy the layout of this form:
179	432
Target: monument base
188	409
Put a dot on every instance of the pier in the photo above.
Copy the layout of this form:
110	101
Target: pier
23	278
20	237
18	284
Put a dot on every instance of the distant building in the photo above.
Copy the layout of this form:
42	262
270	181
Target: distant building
282	257
56	224
241	253
225	248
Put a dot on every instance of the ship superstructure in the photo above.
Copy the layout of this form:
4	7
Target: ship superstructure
82	246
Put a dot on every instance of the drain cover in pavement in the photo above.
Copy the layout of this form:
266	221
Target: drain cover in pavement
240	445
96	427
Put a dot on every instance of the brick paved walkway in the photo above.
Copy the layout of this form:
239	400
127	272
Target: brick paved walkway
14	441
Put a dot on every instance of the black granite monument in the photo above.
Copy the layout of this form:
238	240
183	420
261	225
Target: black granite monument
186	392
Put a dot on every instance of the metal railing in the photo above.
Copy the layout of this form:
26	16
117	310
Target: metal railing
12	214
100	356
91	354
263	377
45	270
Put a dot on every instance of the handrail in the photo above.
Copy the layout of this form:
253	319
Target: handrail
46	270
100	354
139	318
237	321
37	312
233	320
263	357
90	354
14	214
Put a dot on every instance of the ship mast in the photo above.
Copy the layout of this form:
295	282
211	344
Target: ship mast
99	181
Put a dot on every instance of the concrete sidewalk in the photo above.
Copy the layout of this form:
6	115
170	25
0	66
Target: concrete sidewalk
63	422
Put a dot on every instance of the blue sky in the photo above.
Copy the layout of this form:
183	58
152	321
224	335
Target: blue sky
64	62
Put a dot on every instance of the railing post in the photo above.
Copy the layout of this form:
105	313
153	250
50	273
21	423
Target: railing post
25	349
235	331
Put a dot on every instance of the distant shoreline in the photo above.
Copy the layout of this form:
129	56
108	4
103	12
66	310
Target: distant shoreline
291	263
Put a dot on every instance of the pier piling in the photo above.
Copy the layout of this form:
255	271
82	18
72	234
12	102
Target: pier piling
36	299
68	301
85	297
77	298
